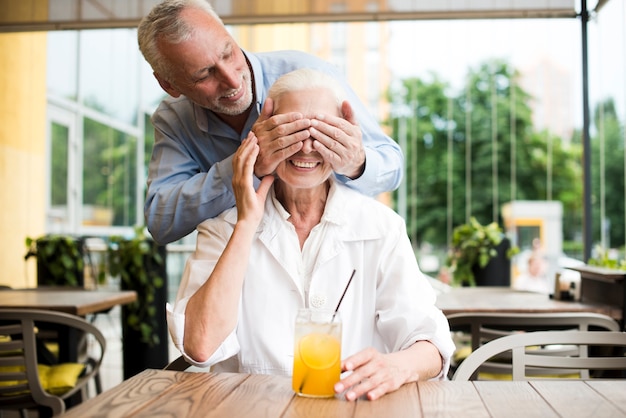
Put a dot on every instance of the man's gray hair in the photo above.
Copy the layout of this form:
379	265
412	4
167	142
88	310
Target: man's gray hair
164	23
304	79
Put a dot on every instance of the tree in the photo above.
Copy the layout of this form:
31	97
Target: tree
608	146
450	136
110	171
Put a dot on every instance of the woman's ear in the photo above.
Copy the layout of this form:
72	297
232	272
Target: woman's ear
347	112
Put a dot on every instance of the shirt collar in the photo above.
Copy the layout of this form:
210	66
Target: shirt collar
257	79
334	212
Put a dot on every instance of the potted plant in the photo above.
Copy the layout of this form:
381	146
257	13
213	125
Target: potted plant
140	264
474	249
60	259
606	259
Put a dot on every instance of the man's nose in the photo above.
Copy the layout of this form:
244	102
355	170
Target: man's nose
229	77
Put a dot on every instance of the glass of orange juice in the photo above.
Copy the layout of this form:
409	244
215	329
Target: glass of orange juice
317	353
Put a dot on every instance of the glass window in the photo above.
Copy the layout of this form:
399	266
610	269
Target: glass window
98	157
109	72
58	162
62	72
109	176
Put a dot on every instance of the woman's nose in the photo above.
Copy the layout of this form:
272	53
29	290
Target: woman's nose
307	146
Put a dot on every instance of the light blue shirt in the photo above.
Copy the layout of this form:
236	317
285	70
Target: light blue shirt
190	173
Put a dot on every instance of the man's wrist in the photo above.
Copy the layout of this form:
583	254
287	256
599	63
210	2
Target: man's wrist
359	172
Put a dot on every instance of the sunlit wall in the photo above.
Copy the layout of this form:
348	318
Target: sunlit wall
22	145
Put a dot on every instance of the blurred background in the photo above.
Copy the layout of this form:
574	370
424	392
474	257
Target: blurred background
487	99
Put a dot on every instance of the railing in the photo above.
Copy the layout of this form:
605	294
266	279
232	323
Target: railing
177	255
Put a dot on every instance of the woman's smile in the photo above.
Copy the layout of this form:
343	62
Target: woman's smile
304	164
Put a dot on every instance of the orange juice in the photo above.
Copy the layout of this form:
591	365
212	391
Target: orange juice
317	354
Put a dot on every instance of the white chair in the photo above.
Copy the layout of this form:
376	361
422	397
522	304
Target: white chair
480	328
523	356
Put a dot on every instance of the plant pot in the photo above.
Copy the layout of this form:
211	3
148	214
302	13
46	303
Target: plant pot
498	271
138	354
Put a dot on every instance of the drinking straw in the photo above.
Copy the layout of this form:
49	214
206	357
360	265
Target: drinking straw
342	295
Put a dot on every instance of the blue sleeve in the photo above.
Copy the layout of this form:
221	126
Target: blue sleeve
180	196
182	190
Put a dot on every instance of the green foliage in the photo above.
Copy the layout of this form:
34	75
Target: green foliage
603	258
110	171
59	258
574	249
59	137
488	123
137	261
473	245
607	163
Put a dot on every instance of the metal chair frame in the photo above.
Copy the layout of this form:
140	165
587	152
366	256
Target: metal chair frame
485	327
22	390
523	358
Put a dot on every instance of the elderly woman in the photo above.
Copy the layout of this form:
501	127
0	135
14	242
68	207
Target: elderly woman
293	243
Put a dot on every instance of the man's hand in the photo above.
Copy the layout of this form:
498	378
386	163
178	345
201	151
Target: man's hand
340	142
280	137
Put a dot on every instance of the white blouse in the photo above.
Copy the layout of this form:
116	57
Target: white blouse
389	305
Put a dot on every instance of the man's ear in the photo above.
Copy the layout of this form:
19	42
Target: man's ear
165	85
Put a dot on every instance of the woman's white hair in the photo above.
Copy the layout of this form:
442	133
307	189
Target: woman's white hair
304	79
164	23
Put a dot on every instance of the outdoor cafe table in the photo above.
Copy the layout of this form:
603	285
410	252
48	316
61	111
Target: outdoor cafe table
506	300
164	393
75	301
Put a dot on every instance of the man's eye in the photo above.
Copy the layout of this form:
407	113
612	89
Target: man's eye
206	75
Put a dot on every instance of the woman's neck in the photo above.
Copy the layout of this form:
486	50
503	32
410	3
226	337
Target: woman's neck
306	206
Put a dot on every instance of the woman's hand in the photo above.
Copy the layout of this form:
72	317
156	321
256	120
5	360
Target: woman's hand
212	311
375	374
250	203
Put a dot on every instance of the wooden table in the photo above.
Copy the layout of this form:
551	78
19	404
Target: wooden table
507	300
76	301
160	393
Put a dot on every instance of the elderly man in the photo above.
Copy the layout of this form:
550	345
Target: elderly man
217	92
292	244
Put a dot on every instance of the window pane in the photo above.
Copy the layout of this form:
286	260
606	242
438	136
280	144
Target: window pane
109	72
58	165
109	176
62	72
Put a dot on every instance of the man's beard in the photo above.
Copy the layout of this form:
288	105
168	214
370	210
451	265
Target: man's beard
238	107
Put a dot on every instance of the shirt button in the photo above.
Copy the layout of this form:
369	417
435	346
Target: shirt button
317	300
